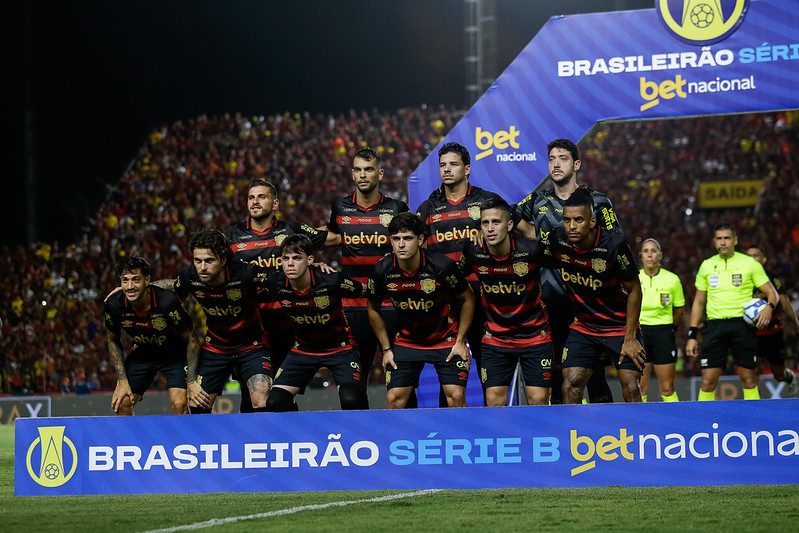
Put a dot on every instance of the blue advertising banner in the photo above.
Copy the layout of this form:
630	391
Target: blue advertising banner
683	58
686	443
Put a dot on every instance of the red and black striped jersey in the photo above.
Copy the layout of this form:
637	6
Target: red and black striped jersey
775	326
422	298
320	327
263	247
510	289
448	224
364	236
594	280
231	309
156	333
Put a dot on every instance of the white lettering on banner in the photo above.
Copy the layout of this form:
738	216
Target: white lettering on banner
640	63
678	446
221	457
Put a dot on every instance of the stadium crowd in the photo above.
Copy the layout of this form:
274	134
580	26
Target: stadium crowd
192	174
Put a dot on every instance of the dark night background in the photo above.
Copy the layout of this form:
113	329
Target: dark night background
93	78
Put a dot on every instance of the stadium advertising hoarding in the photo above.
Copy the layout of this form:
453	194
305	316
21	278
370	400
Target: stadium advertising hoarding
737	193
682	58
688	443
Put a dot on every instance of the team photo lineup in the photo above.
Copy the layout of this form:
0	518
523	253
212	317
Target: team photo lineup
469	283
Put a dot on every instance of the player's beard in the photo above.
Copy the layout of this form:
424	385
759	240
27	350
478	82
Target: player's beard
566	178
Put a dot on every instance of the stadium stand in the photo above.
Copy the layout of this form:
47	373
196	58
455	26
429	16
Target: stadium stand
192	174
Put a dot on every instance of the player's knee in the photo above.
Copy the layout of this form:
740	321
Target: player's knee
279	401
351	397
457	397
180	407
496	398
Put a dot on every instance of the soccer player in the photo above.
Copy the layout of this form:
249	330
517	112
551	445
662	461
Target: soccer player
257	240
770	344
724	283
661	312
361	219
314	302
599	270
422	285
541	212
516	329
162	339
452	218
227	291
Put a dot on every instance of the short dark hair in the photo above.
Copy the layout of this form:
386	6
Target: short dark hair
755	245
453	147
134	262
582	196
263	183
496	203
367	154
724	226
211	239
406	221
295	243
566	144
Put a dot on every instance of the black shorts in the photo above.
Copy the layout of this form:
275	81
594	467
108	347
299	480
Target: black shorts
299	368
279	332
721	336
500	363
772	347
411	361
586	351
142	370
660	345
215	368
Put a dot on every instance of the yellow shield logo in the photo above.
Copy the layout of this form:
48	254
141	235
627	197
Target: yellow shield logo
322	301
598	264
51	468
234	294
521	268
474	212
159	323
700	22
428	285
386	218
279	239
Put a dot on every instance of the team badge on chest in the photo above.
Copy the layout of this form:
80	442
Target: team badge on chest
599	265
428	285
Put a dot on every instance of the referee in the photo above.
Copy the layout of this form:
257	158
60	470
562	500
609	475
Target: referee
724	284
661	312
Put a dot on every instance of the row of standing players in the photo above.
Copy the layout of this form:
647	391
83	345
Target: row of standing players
574	291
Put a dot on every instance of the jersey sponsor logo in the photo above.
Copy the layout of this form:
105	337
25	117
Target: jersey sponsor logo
428	285
241	246
665	299
322	301
346	219
312	319
234	294
579	279
699	22
392	286
713	281
482	269
598	264
413	305
149	339
543	209
365	238
737	280
504	288
521	269
270	262
222	311
51	468
159	323
127	323
456	234
386	218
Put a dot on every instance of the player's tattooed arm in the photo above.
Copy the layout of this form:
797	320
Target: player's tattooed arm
196	396
122	389
168	284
